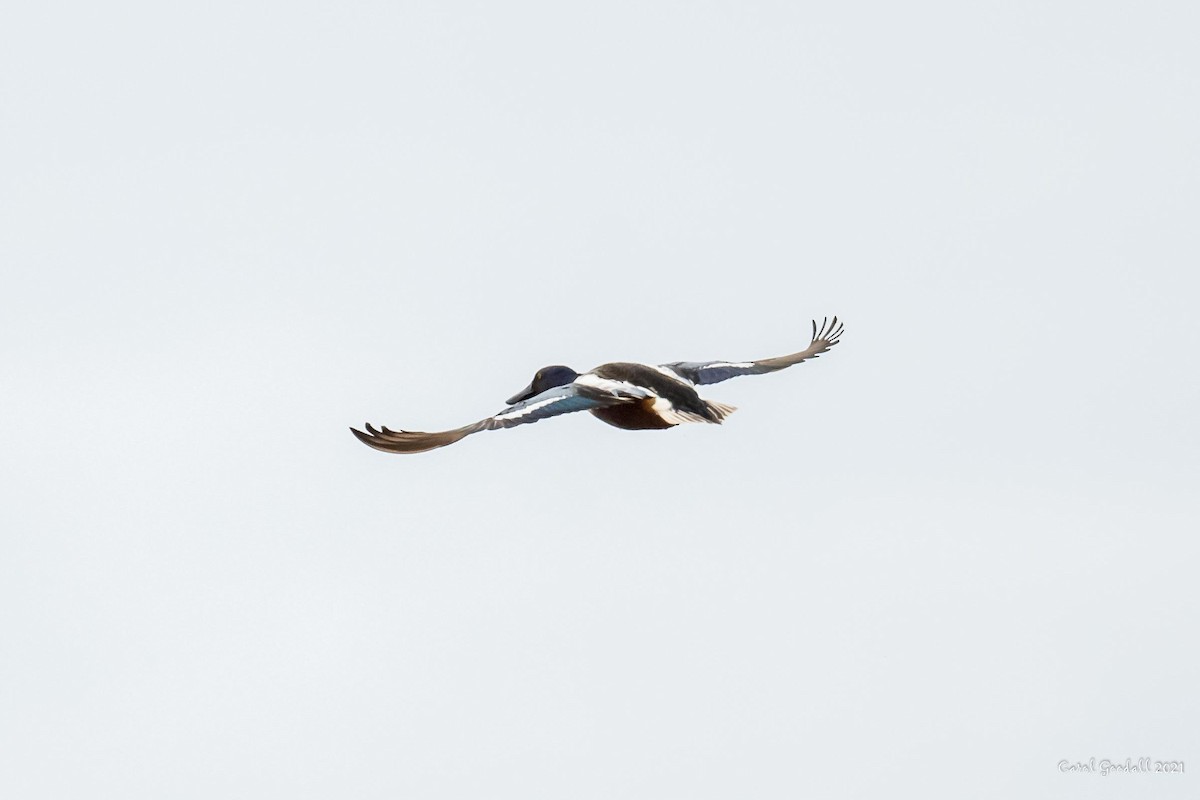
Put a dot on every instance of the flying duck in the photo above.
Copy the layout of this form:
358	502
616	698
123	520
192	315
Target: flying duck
630	396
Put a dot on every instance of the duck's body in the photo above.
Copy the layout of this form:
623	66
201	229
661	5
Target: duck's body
623	394
671	398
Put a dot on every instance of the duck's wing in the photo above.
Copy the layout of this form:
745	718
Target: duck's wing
550	403
701	372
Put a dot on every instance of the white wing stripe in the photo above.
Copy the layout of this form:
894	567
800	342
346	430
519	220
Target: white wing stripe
670	373
618	388
529	409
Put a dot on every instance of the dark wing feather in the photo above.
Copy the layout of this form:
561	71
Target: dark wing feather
550	403
702	372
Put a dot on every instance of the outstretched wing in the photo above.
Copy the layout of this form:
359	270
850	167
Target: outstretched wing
550	403
701	372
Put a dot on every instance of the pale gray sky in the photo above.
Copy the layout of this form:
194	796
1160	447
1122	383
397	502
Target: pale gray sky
955	551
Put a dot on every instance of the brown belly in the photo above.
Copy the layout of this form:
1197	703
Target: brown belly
633	416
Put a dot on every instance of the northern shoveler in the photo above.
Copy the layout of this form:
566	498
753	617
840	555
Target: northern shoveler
630	396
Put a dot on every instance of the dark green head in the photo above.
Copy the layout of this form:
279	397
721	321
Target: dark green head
546	378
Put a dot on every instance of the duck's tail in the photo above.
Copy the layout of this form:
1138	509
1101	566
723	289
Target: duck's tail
719	411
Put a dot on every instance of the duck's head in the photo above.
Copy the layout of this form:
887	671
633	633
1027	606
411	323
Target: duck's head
545	378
